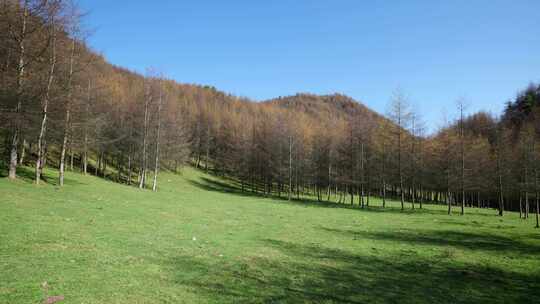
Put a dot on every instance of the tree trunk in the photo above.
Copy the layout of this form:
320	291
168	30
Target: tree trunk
384	194
526	214
20	81
537	193
207	158
45	103
71	156
520	204
402	198
97	167
290	168
67	121
85	144
421	199
104	163
448	191
500	184
526	205
23	152
147	101
462	151
40	145
156	165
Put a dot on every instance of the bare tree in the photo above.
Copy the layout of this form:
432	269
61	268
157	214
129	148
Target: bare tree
52	11
158	129
73	28
461	108
291	146
400	114
22	38
147	101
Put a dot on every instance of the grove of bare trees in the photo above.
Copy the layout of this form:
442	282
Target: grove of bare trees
62	105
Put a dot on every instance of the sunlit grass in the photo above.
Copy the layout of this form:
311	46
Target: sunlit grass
199	240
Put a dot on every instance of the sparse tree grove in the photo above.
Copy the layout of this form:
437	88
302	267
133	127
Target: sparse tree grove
62	105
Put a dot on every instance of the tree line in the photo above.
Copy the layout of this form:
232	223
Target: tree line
63	105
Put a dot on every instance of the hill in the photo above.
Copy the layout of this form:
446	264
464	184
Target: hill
201	240
324	106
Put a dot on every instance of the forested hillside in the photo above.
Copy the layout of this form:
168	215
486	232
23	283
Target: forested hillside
63	105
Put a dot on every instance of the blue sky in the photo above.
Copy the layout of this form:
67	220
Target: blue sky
434	51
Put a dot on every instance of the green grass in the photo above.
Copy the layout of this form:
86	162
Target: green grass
200	241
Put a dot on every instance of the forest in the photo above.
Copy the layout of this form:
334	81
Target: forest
63	105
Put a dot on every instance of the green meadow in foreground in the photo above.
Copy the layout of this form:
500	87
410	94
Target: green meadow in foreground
198	240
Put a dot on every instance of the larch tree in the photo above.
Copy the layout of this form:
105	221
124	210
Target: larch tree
73	30
399	113
461	108
158	133
148	97
25	34
52	15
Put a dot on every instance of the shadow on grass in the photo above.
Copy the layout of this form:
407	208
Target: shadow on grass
28	175
230	186
316	274
475	224
465	240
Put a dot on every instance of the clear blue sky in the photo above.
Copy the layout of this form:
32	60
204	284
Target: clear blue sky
435	51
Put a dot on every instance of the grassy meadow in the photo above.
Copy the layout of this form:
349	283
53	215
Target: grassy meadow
200	240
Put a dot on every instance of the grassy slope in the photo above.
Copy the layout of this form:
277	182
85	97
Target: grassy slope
99	242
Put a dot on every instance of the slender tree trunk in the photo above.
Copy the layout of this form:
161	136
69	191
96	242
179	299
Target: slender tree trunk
362	176
500	184
462	151
448	201
290	167
85	144
421	200
40	144
402	198
413	164
119	166
156	165
368	195
20	81
71	155
351	193
45	103
44	156
384	176
520	204
526	205
23	152
147	101
329	181
64	148
296	178
104	163
67	121
526	214
384	194
207	158
129	167
537	192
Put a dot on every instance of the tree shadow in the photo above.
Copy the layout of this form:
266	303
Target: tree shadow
231	186
475	224
317	274
28	175
466	240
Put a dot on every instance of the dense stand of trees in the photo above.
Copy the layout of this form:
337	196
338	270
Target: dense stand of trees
63	105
